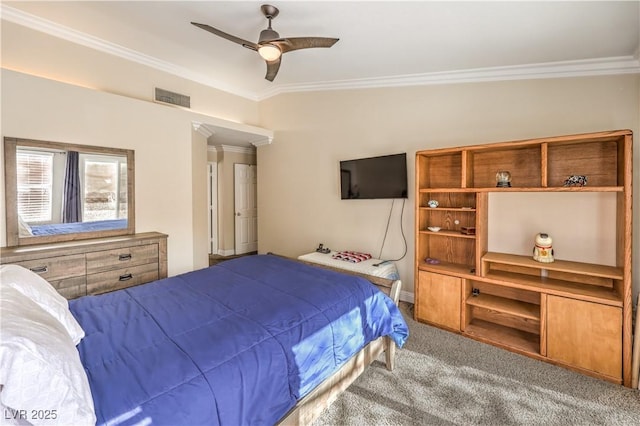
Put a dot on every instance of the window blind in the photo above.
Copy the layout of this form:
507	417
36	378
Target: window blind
35	179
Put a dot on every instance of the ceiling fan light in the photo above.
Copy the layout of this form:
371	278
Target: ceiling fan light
269	52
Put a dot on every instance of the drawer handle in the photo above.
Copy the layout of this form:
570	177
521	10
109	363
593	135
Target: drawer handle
125	277
40	269
124	257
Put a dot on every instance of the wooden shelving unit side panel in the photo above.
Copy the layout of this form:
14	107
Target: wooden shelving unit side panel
630	355
482	228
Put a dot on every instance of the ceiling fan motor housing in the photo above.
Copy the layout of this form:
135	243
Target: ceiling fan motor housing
267	35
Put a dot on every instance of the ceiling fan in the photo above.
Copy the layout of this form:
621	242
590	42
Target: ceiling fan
270	45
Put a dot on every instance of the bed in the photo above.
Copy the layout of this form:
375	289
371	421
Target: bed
258	340
75	227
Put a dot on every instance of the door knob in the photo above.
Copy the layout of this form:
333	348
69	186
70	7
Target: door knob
238	214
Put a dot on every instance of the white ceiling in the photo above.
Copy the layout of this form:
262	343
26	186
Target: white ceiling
382	43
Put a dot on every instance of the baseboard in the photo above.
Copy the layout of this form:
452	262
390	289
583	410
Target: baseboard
406	296
230	252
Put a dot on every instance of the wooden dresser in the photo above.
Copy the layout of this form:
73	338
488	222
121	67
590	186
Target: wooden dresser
79	268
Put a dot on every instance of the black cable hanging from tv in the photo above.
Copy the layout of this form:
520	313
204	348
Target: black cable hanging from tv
404	238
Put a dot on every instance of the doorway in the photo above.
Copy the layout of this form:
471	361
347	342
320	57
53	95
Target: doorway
246	208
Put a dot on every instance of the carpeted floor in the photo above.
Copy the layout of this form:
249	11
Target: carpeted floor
445	379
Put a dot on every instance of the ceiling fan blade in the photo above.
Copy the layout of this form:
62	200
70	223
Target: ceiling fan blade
272	69
296	43
246	43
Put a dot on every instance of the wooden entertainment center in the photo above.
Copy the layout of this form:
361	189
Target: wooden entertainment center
574	314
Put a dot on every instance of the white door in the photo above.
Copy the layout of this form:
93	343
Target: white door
212	203
246	208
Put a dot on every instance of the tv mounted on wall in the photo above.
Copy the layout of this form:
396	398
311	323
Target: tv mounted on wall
374	177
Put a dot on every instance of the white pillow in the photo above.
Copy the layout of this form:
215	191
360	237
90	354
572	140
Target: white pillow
40	291
41	375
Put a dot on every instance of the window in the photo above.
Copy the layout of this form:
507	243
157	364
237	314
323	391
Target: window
35	180
104	187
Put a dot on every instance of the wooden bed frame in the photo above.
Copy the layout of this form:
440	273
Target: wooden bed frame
313	404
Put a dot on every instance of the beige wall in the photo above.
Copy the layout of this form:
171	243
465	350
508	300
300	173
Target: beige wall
36	53
199	204
107	102
170	156
298	191
93	98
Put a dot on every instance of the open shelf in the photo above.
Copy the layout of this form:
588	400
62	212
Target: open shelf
448	233
598	160
547	285
443	170
506	306
449	209
570	267
522	161
446	268
505	336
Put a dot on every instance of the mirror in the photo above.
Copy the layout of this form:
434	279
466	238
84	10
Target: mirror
62	192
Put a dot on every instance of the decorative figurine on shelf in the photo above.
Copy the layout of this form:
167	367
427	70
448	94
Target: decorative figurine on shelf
576	180
503	179
433	204
543	249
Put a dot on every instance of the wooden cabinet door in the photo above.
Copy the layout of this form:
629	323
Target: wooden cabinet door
438	299
585	335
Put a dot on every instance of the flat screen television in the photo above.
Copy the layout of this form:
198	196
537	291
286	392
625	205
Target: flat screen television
374	177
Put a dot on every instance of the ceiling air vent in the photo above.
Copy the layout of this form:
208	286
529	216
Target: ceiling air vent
172	98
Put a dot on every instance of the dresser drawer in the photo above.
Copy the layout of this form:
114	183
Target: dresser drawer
121	278
57	268
125	257
72	287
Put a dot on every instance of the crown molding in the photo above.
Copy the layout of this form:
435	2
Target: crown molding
236	149
19	17
202	129
578	68
263	140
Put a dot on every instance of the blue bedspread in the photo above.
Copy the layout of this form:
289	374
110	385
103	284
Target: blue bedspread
75	227
238	343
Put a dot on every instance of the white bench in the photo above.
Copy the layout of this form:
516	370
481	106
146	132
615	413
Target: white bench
386	270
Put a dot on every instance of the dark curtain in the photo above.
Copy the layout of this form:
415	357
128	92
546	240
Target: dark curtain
71	207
